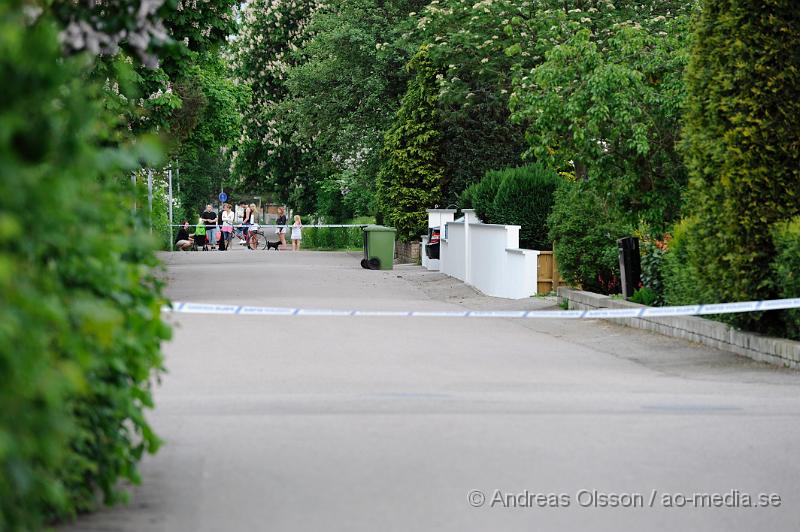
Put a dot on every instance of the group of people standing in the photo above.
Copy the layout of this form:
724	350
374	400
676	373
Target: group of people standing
216	230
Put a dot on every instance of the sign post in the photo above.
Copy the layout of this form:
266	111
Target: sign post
169	175
150	196
133	185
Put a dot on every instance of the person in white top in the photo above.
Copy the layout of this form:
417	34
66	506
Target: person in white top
297	233
252	216
239	220
227	224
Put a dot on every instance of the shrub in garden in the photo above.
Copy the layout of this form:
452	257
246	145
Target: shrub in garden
330	201
653	252
652	263
466	200
80	325
677	274
332	238
585	229
483	196
786	271
525	198
645	296
741	144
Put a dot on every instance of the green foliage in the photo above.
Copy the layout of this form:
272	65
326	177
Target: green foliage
141	52
350	51
741	144
607	100
361	220
467	44
214	125
466	200
652	262
218	122
158	220
585	229
410	176
170	31
645	296
347	194
330	201
525	198
80	325
786	271
483	195
266	156
333	238
679	277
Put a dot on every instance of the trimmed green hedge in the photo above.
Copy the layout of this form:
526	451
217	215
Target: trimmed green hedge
80	325
785	269
525	198
332	238
741	143
483	195
466	200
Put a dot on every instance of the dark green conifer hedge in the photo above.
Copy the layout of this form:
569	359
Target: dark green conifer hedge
410	177
742	146
525	198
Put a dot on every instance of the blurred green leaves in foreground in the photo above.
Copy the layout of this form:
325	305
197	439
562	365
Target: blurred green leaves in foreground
80	326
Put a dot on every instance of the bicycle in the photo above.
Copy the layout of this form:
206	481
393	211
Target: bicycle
238	233
258	239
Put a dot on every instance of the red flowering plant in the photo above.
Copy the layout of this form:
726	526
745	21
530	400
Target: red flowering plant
609	284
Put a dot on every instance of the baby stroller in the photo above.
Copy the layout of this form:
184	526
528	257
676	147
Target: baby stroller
200	237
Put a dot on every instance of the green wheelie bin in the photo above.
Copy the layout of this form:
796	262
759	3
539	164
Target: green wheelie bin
378	247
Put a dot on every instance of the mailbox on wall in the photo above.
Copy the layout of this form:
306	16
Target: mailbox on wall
630	265
437	226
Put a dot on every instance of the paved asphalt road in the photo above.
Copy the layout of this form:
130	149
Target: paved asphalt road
388	424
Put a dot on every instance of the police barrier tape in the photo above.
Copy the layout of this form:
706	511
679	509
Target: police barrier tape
274	226
659	312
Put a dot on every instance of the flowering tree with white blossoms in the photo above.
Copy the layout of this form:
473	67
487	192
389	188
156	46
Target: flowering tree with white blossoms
270	32
467	43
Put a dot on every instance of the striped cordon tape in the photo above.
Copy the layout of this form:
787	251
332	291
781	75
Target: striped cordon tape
656	312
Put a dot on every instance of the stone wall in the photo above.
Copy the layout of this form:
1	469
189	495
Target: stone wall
407	252
776	351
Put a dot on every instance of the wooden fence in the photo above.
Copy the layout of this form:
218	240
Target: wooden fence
548	279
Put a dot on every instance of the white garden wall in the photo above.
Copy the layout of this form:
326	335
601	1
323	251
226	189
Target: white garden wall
488	257
451	251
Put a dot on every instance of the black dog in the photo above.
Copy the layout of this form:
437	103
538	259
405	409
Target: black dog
273	245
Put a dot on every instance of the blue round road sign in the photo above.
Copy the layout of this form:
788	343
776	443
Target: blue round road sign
223	196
